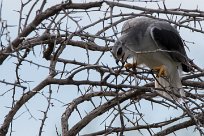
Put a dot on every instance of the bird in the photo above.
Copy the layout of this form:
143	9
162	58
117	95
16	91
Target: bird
158	45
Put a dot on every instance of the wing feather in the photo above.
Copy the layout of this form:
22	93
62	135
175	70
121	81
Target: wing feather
171	41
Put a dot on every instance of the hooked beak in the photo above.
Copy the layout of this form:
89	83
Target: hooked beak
117	61
122	59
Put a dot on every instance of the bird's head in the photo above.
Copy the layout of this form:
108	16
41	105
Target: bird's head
120	52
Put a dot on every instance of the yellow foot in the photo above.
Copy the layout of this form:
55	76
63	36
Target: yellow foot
129	66
162	71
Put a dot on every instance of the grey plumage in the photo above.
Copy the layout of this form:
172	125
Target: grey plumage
154	43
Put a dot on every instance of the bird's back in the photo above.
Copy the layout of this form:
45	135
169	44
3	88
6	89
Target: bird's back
142	24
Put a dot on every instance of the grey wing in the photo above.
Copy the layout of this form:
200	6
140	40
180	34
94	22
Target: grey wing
170	40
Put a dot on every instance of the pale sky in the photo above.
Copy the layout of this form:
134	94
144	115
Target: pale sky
28	126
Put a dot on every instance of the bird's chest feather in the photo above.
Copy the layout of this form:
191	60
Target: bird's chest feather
152	59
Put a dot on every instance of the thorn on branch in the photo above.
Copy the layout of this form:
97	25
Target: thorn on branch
164	6
70	1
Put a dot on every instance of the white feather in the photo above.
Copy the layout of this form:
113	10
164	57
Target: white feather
171	84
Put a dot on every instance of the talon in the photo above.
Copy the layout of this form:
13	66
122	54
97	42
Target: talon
162	71
129	66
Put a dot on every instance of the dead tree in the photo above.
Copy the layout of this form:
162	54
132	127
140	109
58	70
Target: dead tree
66	48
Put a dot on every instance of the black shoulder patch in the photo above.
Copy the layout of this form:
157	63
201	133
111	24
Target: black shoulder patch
168	39
171	41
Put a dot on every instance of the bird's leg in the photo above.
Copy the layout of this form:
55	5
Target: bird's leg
162	71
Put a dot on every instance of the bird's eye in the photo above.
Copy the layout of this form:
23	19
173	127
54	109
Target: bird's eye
119	52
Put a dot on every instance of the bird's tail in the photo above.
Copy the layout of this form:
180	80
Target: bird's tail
171	86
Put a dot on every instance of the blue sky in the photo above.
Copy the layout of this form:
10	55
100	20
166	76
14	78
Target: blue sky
27	125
